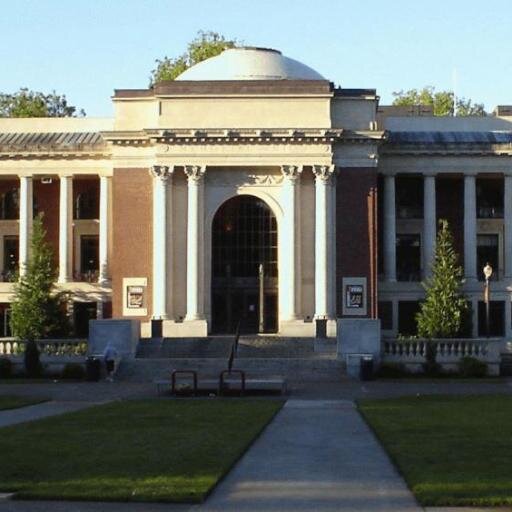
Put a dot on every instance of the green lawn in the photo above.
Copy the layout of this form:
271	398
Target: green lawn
452	451
153	450
13	402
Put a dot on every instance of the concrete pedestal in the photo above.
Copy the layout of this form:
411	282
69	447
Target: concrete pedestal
359	336
123	334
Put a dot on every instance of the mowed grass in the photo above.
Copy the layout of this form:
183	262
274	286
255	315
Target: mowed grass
153	450
14	402
452	451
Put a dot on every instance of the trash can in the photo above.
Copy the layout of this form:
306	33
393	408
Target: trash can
93	369
366	368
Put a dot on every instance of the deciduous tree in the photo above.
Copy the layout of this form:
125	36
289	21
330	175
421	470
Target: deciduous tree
26	103
202	47
441	101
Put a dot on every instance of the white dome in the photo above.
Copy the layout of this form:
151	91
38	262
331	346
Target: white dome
248	63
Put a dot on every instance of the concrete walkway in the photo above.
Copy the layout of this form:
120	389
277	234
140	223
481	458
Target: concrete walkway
315	456
35	412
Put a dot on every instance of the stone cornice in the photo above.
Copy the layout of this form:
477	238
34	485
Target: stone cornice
53	155
213	136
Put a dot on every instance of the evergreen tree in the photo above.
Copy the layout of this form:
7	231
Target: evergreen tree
37	311
442	312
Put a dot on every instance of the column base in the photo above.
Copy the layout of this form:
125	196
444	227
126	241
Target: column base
297	328
186	329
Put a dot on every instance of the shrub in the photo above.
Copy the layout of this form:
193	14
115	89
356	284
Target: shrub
74	371
5	368
392	371
472	367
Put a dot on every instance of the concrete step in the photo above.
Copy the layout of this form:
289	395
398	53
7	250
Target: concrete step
293	369
249	347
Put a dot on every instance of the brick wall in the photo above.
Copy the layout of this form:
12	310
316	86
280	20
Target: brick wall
356	233
132	232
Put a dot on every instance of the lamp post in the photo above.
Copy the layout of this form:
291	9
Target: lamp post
487	291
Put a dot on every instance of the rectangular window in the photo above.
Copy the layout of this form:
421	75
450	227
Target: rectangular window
409	197
11	257
489	198
487	251
408	257
386	315
89	254
407	311
5	321
496	318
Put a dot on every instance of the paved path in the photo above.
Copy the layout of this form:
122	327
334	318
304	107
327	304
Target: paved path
35	412
315	456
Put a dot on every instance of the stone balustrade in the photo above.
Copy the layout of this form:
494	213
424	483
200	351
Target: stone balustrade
50	347
446	348
411	353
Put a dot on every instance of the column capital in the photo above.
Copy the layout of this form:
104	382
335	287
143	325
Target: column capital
507	173
291	172
429	174
194	173
470	174
324	173
164	172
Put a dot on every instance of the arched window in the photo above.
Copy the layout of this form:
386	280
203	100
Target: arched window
244	266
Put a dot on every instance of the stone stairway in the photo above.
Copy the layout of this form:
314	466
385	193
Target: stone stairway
248	347
296	359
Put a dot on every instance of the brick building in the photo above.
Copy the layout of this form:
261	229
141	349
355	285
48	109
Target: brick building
252	189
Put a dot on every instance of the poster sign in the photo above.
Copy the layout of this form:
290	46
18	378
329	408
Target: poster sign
135	299
354	296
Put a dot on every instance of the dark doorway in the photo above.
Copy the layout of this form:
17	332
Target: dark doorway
244	267
82	313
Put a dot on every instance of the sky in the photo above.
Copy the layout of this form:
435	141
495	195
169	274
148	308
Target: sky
87	49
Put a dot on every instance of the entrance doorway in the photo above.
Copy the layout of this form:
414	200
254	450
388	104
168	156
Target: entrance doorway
244	267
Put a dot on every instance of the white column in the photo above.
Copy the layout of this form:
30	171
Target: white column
65	228
429	223
195	174
507	200
389	228
26	218
161	174
288	277
105	182
470	228
323	240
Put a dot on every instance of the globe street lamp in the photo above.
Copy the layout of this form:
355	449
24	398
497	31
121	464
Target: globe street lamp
487	291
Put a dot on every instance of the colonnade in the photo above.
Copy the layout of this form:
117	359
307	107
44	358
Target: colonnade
429	225
65	226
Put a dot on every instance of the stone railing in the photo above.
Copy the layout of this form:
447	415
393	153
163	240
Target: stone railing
411	353
446	348
50	347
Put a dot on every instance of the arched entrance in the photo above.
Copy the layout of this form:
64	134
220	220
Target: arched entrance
244	267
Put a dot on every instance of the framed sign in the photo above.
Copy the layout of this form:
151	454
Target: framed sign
354	296
134	296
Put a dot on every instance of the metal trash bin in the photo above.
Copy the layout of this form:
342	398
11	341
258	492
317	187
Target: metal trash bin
366	367
93	368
